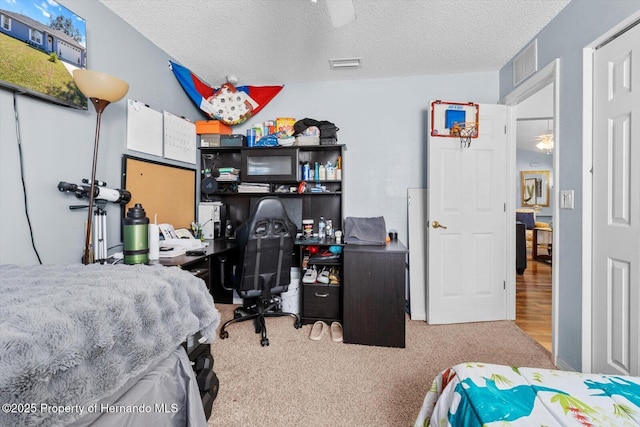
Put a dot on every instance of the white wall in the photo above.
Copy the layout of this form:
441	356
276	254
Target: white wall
383	122
580	23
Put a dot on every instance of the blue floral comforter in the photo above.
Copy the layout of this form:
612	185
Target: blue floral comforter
477	394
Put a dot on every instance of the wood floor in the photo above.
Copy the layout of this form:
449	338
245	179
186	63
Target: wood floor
533	301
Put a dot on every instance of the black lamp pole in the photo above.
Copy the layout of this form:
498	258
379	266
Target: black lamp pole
100	105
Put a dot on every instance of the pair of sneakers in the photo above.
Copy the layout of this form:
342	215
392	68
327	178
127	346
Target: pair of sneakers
325	276
320	329
310	276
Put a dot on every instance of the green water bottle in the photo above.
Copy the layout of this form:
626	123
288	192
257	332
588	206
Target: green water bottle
136	236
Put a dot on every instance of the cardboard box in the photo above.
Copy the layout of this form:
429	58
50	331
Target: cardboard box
212	126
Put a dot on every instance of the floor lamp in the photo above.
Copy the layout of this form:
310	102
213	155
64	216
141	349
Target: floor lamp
101	89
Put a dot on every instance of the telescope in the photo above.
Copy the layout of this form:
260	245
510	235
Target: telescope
101	192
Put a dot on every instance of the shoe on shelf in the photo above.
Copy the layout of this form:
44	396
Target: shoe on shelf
334	277
318	330
336	332
323	277
310	275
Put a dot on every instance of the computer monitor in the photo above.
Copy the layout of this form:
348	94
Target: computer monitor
293	206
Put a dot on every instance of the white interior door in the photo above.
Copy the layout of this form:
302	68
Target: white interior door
616	206
467	195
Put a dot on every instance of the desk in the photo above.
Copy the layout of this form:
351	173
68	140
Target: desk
373	308
214	267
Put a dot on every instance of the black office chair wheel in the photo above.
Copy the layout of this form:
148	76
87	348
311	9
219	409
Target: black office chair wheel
257	325
297	324
264	342
224	334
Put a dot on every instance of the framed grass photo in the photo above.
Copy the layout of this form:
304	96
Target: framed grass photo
41	43
534	188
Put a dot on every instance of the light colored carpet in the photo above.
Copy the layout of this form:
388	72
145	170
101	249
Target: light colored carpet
298	382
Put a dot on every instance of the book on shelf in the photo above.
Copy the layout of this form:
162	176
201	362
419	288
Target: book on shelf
229	170
227	177
251	187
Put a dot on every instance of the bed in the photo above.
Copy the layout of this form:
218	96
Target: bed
101	345
478	394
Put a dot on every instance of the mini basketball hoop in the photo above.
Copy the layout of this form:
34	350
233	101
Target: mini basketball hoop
455	120
465	131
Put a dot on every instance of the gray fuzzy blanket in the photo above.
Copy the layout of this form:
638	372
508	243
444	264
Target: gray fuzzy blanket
74	334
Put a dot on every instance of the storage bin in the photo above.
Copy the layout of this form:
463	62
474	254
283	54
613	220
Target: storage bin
212	126
322	301
291	298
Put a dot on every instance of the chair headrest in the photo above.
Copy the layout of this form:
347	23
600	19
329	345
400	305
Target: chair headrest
269	207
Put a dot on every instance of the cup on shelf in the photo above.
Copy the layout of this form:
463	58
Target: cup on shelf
251	137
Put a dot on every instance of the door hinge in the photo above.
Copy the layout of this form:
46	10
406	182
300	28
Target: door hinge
504	285
505	129
505	207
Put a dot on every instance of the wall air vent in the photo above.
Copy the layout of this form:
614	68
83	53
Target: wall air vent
345	63
525	63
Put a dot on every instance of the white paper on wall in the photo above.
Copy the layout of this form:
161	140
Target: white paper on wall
144	128
179	138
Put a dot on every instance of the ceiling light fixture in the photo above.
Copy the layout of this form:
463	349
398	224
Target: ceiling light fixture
545	141
345	63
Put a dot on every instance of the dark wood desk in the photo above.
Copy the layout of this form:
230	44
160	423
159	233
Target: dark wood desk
374	294
214	267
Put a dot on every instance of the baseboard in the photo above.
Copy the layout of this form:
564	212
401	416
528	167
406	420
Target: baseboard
418	316
563	366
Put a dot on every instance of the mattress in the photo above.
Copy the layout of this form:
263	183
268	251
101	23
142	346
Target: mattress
478	394
73	336
166	394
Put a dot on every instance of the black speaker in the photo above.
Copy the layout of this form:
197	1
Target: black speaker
209	185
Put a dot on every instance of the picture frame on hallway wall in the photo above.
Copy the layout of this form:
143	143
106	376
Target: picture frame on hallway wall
534	188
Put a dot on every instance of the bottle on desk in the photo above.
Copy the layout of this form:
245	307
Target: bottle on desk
321	226
328	228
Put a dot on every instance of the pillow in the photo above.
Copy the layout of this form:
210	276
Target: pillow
527	219
230	106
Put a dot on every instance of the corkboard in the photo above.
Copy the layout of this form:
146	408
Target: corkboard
166	190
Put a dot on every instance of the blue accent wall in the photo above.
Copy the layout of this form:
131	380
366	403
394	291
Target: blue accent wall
579	24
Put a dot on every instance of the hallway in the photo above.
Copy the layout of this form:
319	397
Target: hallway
533	301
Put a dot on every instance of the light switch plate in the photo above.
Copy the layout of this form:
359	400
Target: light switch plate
566	199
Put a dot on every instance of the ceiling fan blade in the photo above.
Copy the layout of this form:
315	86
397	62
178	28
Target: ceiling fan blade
341	12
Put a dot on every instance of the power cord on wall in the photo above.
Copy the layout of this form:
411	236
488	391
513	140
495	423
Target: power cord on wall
24	187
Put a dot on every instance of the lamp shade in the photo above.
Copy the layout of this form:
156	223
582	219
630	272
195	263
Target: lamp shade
94	84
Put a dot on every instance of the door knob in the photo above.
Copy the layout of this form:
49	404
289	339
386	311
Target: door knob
436	224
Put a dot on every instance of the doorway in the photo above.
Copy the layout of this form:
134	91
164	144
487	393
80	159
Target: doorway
548	77
534	170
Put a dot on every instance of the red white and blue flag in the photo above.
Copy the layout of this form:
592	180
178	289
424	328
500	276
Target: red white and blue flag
200	92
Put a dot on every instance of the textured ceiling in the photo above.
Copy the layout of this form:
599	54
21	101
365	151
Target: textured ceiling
283	41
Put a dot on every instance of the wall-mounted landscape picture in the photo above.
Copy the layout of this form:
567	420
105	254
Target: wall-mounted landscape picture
41	43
